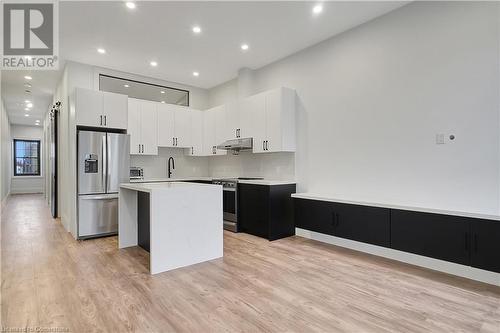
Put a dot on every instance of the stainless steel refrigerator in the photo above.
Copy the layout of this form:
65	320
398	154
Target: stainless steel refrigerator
103	163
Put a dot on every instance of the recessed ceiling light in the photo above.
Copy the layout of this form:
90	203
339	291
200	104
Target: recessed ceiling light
162	92
101	51
317	9
244	47
29	105
130	5
27	85
196	29
37	121
196	74
153	63
26	109
126	85
26	115
37	124
27	77
163	102
27	101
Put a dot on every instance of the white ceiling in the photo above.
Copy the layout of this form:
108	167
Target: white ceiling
161	31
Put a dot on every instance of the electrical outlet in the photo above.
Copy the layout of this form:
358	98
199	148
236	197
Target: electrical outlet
440	139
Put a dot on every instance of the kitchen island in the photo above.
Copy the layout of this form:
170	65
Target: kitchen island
180	224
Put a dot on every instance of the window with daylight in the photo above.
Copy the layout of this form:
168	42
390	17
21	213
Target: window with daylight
26	157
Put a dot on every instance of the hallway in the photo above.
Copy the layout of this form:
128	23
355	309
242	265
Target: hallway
294	284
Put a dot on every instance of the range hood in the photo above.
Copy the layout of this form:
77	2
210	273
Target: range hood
235	145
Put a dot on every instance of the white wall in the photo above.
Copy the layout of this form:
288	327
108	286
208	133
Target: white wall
28	184
372	99
5	154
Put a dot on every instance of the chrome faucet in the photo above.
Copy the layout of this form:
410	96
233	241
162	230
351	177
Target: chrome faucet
173	166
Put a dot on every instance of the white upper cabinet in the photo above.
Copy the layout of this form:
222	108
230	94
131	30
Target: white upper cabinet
273	120
254	109
166	119
101	109
174	124
232	120
196	130
214	130
143	127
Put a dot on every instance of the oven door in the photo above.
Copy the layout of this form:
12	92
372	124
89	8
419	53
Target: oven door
229	204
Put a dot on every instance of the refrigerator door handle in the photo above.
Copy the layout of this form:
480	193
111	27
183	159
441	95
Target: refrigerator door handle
98	197
108	163
104	173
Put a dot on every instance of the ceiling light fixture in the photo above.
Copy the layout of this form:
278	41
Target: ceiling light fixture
27	101
130	5
196	74
26	109
162	92
126	85
27	85
163	102
29	105
26	115
196	29
101	51
244	47
317	9
153	63
27	77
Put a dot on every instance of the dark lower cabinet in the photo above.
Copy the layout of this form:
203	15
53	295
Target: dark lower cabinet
485	249
463	240
266	210
437	236
361	223
143	218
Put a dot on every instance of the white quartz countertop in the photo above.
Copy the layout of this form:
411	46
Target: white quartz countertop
267	182
320	197
150	187
159	180
209	179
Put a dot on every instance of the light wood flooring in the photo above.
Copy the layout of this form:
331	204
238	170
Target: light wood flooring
290	285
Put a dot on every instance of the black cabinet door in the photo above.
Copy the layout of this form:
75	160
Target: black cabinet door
253	209
433	235
314	215
485	252
361	223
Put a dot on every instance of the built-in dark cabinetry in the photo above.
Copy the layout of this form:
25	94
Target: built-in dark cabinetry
266	210
464	240
433	235
485	245
143	218
361	223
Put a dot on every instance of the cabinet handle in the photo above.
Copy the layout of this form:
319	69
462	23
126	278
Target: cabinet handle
236	131
192	150
173	141
105	120
139	148
264	145
143	149
267	145
101	119
176	141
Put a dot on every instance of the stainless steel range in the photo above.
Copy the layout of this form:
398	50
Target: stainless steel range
230	200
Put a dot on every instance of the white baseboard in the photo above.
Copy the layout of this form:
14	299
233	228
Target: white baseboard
4	202
410	258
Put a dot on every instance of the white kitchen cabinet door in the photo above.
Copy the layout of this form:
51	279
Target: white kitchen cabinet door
182	127
208	132
149	127
134	125
196	130
232	120
245	121
115	110
89	108
220	127
280	120
274	113
254	109
166	125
